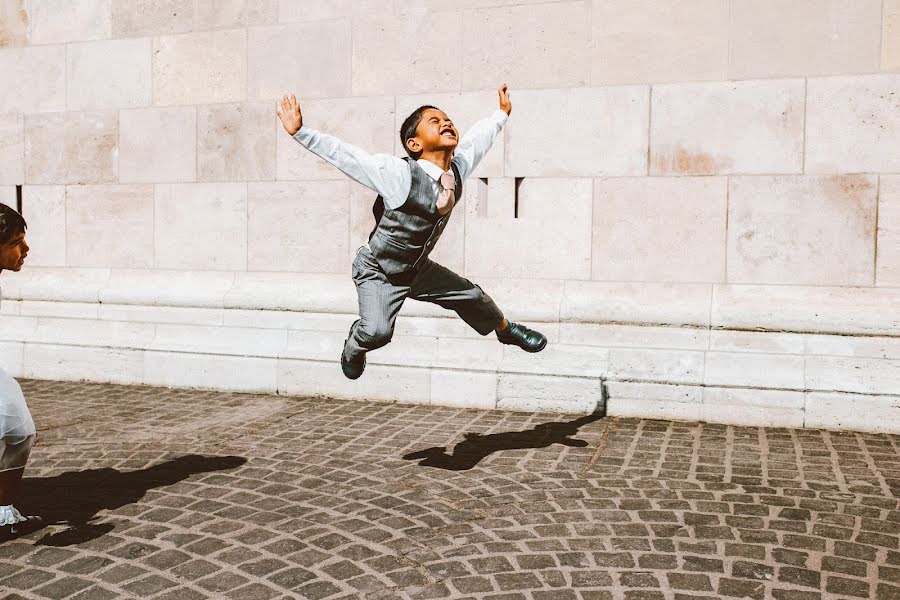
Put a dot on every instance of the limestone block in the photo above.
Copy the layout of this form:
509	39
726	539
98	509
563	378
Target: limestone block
137	18
306	292
58	21
321	10
45	210
204	289
451	326
807	309
407	351
653	40
417	6
236	142
595	132
628	336
748	369
201	226
401	54
12	150
524	299
880	414
109	74
93	333
214	14
852	346
556	359
64	310
656	366
772	239
757	341
56	284
483	354
888	259
853	124
13	23
78	147
79	363
727	128
367	123
201	339
34	79
17	328
636	303
11	357
283	319
543	45
299	226
109	226
890	36
464	389
380	383
234	373
653	401
659	229
465	110
8	195
314	345
158	314
554	221
542	393
752	416
860	375
769	38
158	145
310	60
10	307
741	397
197	68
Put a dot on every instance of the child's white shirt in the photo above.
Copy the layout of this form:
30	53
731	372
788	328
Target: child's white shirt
389	175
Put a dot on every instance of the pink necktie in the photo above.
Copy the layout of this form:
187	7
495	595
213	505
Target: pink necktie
447	196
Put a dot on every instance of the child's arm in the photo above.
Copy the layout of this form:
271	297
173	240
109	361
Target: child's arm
383	173
479	139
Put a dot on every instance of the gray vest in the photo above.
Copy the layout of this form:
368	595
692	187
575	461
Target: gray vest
404	237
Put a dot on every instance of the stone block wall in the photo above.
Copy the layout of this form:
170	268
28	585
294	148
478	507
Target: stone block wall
698	202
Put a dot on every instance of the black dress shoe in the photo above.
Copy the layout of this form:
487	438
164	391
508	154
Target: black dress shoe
528	340
353	368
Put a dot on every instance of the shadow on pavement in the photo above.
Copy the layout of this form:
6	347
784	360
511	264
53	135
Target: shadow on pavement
475	446
75	498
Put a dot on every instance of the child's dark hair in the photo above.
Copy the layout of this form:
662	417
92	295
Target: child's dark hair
408	129
11	224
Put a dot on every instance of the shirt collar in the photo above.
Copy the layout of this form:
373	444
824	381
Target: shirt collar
432	169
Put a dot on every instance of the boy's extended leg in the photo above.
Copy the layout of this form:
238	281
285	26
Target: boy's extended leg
445	288
379	302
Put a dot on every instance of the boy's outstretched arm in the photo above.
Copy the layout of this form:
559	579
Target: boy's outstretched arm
479	139
383	173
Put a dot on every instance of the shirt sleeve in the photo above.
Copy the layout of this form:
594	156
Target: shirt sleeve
477	141
383	173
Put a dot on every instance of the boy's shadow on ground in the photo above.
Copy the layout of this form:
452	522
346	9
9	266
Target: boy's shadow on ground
475	446
75	498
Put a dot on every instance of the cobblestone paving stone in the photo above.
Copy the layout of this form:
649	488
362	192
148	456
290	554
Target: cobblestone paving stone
183	495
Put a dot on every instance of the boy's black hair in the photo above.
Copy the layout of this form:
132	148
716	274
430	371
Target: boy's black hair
408	129
11	224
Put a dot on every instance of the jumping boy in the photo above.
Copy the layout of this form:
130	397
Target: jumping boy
416	196
17	431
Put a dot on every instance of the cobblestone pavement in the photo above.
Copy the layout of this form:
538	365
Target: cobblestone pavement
171	494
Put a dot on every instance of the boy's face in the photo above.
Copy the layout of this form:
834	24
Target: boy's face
435	132
12	254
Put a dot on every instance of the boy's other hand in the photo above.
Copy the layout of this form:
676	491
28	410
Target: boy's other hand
290	114
505	104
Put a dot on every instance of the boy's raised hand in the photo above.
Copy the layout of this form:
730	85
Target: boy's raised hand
290	114
505	104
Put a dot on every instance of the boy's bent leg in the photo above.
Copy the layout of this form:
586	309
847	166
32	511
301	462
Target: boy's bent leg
445	288
379	302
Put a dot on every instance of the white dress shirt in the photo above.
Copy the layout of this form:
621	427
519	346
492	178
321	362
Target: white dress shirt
389	175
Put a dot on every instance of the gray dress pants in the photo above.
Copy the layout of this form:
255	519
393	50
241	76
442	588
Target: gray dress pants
380	300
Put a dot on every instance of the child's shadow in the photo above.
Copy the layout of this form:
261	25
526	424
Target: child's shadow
475	446
75	498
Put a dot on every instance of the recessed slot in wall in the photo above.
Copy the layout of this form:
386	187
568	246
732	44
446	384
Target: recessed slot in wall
19	199
518	183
